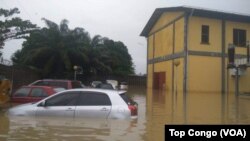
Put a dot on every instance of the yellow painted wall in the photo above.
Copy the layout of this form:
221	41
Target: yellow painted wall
150	76
194	34
167	68
215	42
204	74
179	35
163	46
164	42
165	19
150	46
178	75
229	34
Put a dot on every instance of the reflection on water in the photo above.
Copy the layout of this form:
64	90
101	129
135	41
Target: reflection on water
156	108
194	108
68	129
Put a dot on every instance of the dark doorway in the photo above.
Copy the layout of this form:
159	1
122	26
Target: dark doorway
159	80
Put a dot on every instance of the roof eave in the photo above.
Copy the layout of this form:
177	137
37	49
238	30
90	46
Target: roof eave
195	12
156	15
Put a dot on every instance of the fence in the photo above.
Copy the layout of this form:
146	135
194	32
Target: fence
132	80
18	75
22	76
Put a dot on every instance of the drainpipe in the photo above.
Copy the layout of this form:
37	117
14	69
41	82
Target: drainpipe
186	43
186	40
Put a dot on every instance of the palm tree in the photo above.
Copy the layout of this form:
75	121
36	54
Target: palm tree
55	50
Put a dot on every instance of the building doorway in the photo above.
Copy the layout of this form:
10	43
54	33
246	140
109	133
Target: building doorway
159	80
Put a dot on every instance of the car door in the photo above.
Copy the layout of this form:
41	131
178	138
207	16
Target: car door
93	105
62	105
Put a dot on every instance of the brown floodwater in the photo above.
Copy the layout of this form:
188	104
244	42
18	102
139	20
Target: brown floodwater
156	109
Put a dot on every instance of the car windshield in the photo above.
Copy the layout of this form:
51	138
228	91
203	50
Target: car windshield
127	99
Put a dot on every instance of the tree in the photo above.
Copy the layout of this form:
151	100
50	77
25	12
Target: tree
109	57
13	28
119	59
55	49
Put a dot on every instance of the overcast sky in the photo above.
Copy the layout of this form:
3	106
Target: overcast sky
120	20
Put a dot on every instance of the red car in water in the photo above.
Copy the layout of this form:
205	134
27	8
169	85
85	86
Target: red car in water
67	84
26	94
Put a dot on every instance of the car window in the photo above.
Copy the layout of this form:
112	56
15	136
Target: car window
22	92
93	99
64	99
38	92
127	99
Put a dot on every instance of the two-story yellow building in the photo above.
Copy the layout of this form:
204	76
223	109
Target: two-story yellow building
187	50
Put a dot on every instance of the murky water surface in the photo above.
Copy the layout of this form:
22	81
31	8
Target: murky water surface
156	109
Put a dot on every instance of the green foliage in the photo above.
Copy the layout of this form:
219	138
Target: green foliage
14	27
55	49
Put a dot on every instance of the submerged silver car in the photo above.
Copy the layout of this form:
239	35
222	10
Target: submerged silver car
89	103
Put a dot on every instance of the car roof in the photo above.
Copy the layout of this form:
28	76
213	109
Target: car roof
111	91
36	86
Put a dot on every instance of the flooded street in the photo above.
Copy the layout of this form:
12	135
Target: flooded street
156	108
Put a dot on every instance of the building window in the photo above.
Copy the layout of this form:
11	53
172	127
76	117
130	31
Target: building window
239	37
205	34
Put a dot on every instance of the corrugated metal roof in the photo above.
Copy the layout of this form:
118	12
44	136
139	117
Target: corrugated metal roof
194	12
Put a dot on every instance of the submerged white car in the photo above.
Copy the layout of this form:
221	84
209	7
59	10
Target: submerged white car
89	103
